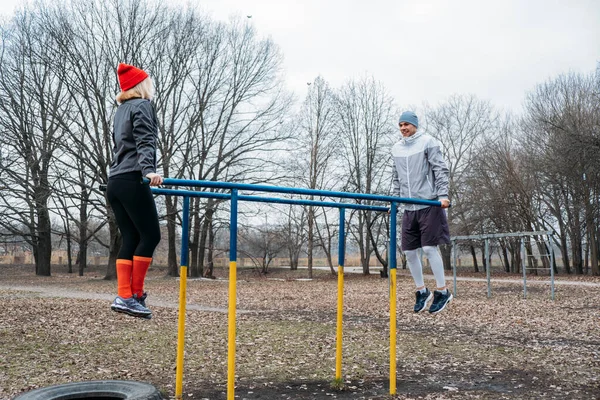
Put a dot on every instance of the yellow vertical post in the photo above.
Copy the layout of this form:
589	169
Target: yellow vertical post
232	296
340	311
231	331
182	291
393	331
340	299
392	273
180	333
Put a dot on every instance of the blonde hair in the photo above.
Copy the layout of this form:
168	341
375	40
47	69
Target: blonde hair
143	90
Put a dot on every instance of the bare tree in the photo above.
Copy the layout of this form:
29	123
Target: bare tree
312	159
563	124
261	244
294	233
238	86
32	101
461	124
365	127
91	38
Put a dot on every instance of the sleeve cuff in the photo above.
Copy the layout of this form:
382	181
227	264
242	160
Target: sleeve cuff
147	171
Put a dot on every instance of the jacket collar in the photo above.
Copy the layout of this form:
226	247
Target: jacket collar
411	139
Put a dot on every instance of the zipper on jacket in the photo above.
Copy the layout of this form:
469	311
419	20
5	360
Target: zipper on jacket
408	179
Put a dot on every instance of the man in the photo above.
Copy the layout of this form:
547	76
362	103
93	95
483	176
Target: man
420	172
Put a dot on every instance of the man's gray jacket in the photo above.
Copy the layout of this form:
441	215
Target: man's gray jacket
419	170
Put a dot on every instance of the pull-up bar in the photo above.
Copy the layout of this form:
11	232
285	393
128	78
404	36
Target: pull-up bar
234	197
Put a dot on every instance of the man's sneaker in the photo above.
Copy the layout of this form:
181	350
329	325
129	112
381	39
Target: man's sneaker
422	300
440	300
142	301
131	307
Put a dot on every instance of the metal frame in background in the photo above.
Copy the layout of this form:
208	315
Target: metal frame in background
548	241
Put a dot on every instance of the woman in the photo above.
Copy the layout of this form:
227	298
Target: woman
134	137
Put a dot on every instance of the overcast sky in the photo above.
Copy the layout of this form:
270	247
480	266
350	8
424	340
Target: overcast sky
425	50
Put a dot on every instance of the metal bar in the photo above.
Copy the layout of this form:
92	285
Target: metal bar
500	235
551	250
392	269
290	190
340	304
234	197
454	265
259	199
190	193
182	294
232	296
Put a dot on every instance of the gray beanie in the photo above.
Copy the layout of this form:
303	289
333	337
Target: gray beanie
410	117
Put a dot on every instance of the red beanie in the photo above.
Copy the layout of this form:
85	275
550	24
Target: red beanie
129	76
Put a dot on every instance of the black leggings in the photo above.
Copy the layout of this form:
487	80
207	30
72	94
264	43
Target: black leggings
135	211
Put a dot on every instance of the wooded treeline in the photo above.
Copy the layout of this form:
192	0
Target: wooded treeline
224	114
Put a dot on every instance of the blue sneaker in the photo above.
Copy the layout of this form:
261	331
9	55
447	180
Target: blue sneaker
131	307
440	300
422	300
142	301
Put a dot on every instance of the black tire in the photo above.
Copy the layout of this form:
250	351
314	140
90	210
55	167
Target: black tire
105	390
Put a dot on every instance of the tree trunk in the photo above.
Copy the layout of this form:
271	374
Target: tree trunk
293	259
330	262
114	247
43	242
209	270
382	261
484	261
507	265
577	254
365	245
564	251
593	244
83	231
171	206
42	239
586	255
196	250
69	257
446	252
474	255
204	233
311	239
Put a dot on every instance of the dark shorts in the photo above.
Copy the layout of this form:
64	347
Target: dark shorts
425	227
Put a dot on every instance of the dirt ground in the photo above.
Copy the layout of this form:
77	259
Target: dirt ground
60	329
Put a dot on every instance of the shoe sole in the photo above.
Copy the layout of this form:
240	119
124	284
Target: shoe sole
130	313
426	301
444	306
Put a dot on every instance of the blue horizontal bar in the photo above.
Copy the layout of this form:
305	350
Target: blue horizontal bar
191	193
258	199
290	190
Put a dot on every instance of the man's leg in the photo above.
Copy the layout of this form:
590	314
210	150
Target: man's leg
434	231
423	295
411	241
416	268
437	266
